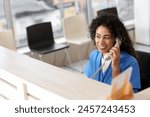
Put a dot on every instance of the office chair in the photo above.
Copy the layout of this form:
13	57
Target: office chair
75	31
41	41
7	39
144	63
112	11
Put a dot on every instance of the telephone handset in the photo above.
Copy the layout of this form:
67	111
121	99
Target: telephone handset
106	58
107	55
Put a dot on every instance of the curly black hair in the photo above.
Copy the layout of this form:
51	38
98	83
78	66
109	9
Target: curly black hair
117	30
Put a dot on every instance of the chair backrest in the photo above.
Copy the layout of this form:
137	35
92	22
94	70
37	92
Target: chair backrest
144	63
7	39
40	35
75	26
1	25
112	11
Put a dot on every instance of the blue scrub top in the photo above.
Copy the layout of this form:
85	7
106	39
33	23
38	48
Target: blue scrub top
126	61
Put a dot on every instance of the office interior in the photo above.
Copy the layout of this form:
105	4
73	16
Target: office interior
59	74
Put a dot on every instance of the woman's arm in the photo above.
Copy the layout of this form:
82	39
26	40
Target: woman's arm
115	57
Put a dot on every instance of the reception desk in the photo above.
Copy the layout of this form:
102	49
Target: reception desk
26	78
45	81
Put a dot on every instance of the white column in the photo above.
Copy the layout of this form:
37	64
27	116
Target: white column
8	15
142	21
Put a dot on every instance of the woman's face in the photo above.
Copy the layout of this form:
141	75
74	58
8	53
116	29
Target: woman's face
103	39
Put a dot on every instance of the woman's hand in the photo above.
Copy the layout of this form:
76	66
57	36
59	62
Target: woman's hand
115	57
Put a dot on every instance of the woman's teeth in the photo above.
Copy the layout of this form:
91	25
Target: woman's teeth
102	47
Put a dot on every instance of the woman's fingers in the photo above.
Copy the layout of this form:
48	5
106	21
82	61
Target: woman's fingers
115	52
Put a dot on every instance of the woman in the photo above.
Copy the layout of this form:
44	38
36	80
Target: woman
104	30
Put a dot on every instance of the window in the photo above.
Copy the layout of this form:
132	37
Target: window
29	12
101	4
125	13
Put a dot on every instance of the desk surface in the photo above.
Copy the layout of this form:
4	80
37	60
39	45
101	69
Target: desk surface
143	95
56	80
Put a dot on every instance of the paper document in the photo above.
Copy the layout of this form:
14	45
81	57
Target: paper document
121	78
121	86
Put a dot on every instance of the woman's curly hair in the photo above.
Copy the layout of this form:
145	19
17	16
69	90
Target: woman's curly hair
117	30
